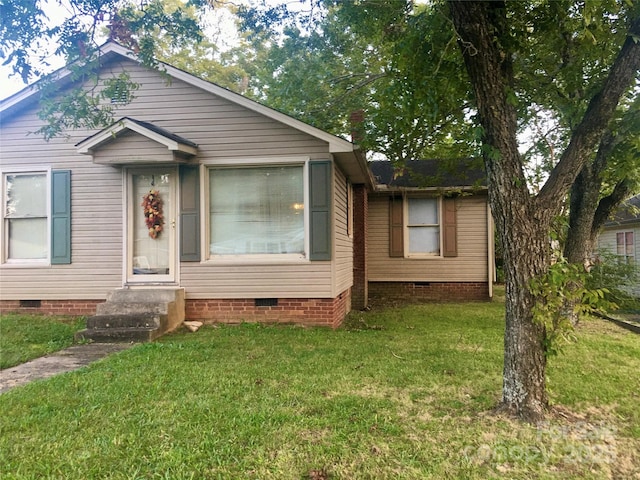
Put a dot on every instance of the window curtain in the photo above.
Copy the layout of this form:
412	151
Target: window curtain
256	210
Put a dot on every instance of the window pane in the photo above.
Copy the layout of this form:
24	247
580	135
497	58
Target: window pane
423	211
27	238
151	256
620	243
424	240
26	196
256	210
629	243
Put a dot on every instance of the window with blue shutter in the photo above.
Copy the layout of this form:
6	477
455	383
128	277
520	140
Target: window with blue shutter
320	229
270	209
189	213
60	217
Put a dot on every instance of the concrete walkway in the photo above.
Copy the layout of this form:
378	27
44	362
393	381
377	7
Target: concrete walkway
63	361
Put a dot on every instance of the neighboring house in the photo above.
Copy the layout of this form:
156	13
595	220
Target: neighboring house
262	217
621	235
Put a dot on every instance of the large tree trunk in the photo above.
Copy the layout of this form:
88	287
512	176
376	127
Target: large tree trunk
582	209
523	220
522	225
526	251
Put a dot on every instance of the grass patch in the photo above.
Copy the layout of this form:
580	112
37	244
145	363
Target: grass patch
25	337
401	393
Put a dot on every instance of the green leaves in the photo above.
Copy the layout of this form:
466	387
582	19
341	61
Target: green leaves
90	105
562	295
386	58
28	38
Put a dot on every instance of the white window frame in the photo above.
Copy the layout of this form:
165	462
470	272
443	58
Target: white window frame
4	231
628	258
408	254
253	259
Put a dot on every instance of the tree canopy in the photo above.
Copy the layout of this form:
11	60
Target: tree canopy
383	58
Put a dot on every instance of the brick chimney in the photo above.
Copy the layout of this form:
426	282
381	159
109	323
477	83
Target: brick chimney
356	120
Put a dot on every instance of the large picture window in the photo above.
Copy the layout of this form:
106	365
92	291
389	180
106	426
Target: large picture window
25	211
423	226
256	210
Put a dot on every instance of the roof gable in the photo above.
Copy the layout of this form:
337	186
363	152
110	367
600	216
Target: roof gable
627	213
157	134
111	49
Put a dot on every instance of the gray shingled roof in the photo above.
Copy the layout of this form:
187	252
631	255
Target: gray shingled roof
626	213
162	131
431	173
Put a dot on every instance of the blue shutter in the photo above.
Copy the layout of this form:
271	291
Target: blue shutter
189	213
320	210
60	217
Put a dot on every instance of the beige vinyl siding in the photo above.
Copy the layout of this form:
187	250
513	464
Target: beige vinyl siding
607	242
219	127
223	131
305	280
96	242
343	245
469	266
607	239
132	146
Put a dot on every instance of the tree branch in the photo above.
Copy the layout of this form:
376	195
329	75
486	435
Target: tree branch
482	30
608	204
594	123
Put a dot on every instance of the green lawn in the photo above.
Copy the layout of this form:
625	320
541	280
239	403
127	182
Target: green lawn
400	394
25	337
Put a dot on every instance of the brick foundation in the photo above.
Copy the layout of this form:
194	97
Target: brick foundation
328	312
50	307
383	292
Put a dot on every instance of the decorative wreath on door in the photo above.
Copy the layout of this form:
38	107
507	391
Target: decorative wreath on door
152	207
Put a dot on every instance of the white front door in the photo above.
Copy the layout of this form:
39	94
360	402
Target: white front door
151	235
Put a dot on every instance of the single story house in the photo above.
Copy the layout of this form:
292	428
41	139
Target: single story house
620	235
247	213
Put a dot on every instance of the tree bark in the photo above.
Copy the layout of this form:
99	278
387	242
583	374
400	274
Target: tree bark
582	209
524	221
522	227
587	211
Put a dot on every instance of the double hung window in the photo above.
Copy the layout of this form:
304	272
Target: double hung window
36	217
625	246
26	216
423	226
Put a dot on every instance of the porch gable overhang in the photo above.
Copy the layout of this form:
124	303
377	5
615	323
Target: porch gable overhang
179	149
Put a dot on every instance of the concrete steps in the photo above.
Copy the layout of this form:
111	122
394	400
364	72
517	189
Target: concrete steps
135	315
